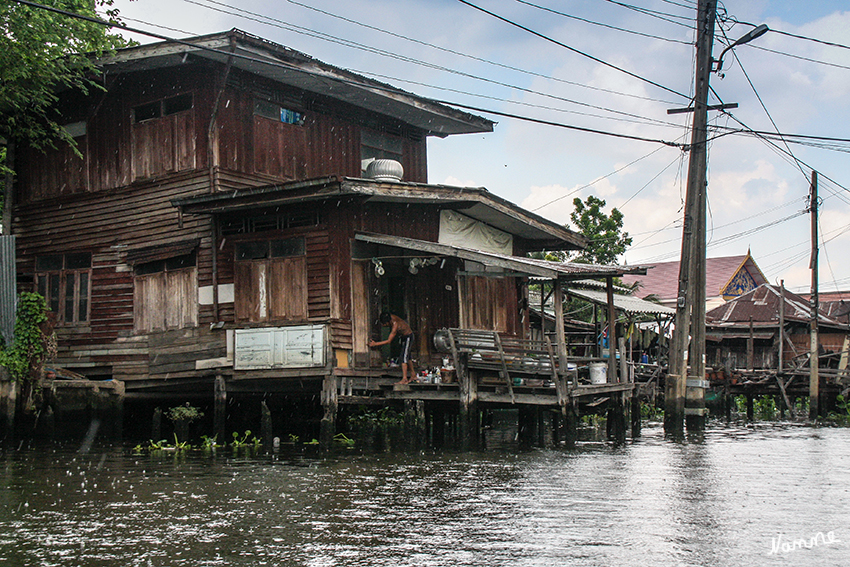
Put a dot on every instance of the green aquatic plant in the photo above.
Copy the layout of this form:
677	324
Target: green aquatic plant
246	440
341	440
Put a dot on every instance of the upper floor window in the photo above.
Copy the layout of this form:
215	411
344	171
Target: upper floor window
163	137
164	107
64	282
379	145
274	111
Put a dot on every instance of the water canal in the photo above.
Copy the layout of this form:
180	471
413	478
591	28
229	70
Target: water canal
743	496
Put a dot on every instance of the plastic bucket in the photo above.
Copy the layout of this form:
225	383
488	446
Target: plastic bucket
598	372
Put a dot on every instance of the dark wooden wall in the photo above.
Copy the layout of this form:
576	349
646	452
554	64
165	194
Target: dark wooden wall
115	197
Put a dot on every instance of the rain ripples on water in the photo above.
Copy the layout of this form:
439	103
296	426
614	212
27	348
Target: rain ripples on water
743	496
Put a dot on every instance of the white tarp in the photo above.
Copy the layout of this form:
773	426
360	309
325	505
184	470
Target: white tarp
459	230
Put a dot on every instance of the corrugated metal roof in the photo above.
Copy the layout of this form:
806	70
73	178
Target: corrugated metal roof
518	264
662	279
290	67
8	288
626	303
476	202
762	306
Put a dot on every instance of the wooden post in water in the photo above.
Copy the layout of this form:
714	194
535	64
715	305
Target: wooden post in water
616	422
327	426
570	414
469	418
635	414
266	425
220	409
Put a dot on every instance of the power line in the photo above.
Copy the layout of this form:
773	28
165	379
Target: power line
600	24
348	43
454	52
573	49
561	125
592	183
638	120
664	16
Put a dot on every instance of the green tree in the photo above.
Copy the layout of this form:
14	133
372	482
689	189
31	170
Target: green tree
43	53
606	239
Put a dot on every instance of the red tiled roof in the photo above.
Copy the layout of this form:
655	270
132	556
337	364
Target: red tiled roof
662	279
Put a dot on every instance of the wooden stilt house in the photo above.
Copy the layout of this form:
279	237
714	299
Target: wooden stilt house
236	215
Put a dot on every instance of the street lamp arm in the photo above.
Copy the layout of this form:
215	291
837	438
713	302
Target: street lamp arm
757	31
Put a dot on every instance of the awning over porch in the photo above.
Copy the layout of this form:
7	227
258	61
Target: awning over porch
516	265
624	303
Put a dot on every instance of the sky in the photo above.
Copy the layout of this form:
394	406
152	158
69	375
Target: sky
611	66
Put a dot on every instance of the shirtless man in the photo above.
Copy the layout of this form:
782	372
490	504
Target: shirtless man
398	327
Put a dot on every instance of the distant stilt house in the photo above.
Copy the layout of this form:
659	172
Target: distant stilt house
239	215
727	277
746	332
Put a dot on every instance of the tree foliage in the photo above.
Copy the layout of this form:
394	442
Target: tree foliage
606	241
43	53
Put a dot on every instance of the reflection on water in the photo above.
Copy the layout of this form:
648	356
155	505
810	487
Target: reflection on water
725	501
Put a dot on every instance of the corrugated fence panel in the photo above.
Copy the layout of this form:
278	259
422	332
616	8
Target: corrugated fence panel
8	293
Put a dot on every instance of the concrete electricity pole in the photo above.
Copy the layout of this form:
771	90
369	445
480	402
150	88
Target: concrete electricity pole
814	358
692	262
684	391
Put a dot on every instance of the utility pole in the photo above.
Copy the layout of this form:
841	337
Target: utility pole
691	269
814	359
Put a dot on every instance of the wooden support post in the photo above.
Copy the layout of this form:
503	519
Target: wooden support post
469	418
266	428
8	402
327	426
570	414
624	361
635	414
781	364
156	425
560	333
751	348
612	332
438	427
616	423
785	395
220	412
526	426
751	416
414	424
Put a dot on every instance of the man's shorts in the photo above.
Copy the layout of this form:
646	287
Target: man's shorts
406	344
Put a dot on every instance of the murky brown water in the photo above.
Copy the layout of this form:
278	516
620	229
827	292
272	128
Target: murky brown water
743	497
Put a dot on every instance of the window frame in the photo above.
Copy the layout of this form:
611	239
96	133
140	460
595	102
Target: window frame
169	271
51	282
258	272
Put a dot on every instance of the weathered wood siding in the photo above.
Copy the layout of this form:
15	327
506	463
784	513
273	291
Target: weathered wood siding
108	226
115	150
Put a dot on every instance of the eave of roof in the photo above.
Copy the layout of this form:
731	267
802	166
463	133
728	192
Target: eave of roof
517	265
475	202
625	303
289	67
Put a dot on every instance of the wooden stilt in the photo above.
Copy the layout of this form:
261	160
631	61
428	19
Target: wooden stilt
266	425
570	425
635	414
327	426
469	414
220	411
